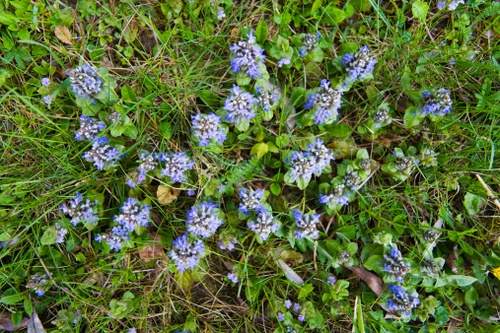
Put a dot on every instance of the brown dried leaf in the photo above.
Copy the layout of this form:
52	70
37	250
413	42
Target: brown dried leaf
6	323
166	194
151	252
450	261
63	34
374	282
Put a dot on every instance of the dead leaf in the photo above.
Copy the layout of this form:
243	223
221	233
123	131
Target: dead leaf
35	325
374	282
151	252
63	34
450	261
166	194
6	323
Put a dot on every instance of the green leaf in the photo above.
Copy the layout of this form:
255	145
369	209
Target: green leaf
471	297
272	147
419	10
209	98
49	237
306	290
11	299
128	94
339	130
460	280
333	15
275	189
165	129
302	182
260	149
261	32
373	263
412	118
473	203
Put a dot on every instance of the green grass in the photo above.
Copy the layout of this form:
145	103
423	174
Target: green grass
163	62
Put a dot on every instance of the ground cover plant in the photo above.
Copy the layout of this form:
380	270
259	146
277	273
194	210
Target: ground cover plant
260	166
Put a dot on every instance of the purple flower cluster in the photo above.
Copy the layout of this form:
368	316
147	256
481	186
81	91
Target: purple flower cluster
402	302
358	65
133	215
437	104
306	224
313	161
102	154
451	6
206	128
202	220
240	105
186	253
309	42
232	277
263	224
394	264
175	166
325	103
148	163
80	210
246	57
61	233
39	282
85	82
265	100
339	197
228	243
89	128
250	200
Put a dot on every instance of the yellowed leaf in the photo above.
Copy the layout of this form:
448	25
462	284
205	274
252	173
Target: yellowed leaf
63	34
166	194
151	252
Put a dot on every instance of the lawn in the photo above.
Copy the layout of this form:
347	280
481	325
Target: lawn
250	166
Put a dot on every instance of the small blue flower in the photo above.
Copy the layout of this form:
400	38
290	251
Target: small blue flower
85	82
115	238
47	99
296	307
301	318
246	57
103	155
309	42
265	100
250	200
239	105
394	264
89	128
80	211
175	166
228	243
232	277
264	224
325	103
306	224
331	280
185	253
402	302
283	61
339	197
320	155
358	65
148	163
203	220
288	304
206	128
301	166
134	214
45	81
437	104
61	233
281	317
220	13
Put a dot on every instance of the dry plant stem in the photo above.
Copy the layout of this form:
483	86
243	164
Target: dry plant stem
488	191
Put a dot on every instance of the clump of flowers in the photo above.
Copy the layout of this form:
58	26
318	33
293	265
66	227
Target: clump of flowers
61	233
437	104
451	6
232	277
85	82
186	253
175	166
309	42
303	165
80	210
39	283
102	154
306	224
239	106
338	198
402	302
263	224
89	128
250	200
115	238
400	166
352	179
394	264
265	99
148	163
134	214
227	243
324	103
202	220
358	65
206	128
247	56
